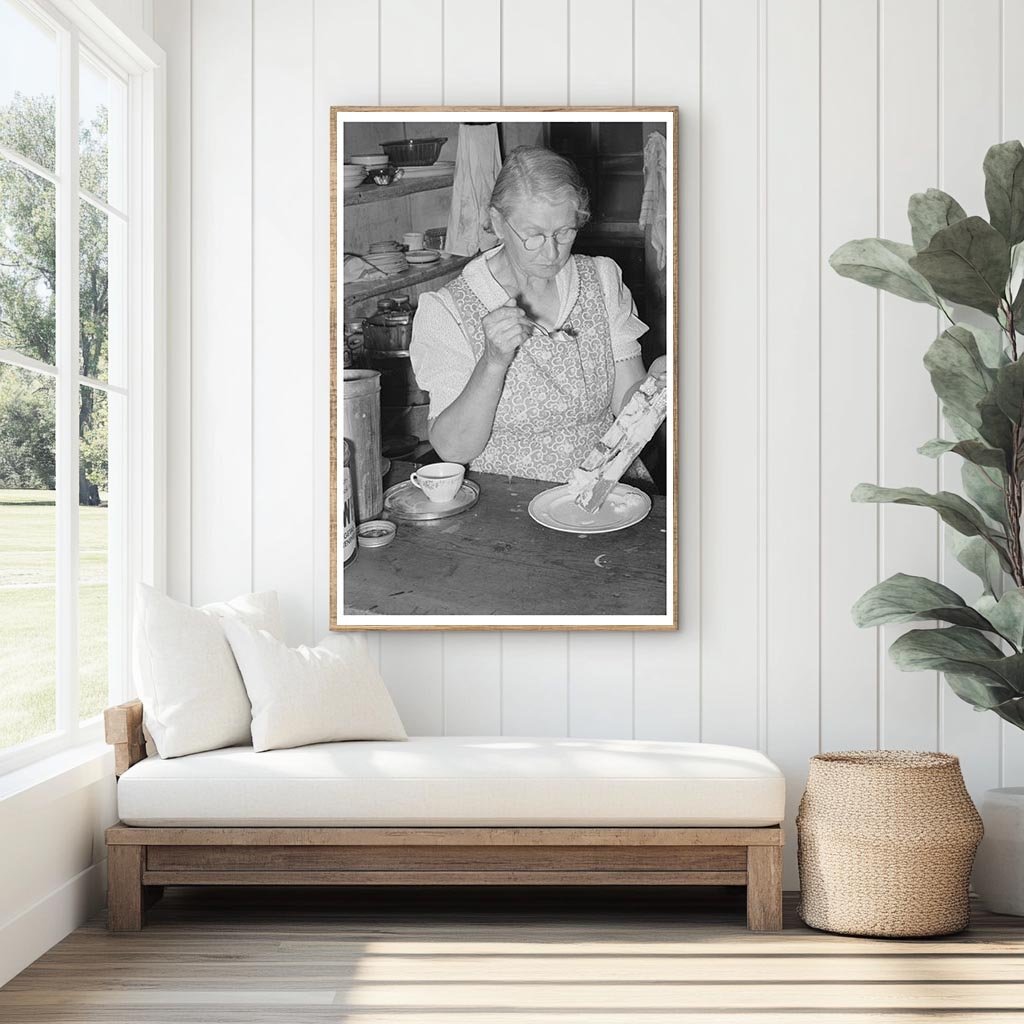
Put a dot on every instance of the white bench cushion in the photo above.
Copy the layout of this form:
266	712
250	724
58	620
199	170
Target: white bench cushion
459	780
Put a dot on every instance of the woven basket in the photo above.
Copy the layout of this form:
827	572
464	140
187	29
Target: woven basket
885	843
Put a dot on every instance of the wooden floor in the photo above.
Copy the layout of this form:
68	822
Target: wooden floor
219	956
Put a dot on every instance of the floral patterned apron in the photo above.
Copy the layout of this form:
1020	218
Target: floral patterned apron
556	402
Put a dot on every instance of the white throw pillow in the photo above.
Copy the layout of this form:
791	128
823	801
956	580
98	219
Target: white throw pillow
192	693
309	694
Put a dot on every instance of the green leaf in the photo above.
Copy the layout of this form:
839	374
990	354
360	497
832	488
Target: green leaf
953	510
903	598
1009	390
964	652
962	430
1006	614
985	487
976	555
883	264
1004	189
996	428
967	263
932	211
990	345
973	451
958	372
980	692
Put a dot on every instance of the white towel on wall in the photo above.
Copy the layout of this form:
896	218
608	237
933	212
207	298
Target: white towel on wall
653	203
477	163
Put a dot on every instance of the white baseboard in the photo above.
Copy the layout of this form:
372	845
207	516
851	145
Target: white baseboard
28	936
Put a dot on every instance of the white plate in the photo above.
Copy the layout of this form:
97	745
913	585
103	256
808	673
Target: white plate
422	257
369	160
556	509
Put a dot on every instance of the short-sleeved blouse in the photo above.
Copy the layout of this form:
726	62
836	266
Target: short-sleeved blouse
441	354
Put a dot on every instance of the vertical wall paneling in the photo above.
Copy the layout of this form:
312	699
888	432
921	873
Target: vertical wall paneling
600	51
666	671
472	52
792	417
535	40
803	125
601	72
283	338
909	411
534	69
173	28
535	681
221	370
1012	127
601	684
344	51
414	672
411	65
968	125
472	73
730	501
849	369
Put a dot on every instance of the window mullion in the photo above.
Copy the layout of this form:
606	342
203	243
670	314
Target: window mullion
67	386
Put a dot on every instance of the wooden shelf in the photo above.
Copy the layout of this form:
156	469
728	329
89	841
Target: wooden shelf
362	290
373	193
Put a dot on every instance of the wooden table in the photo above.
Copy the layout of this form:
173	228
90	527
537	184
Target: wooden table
495	560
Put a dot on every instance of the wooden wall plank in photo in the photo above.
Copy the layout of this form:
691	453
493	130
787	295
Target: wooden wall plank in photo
666	666
969	112
411	64
284	339
731	303
345	51
472	74
1011	115
909	410
849	373
792	419
221	284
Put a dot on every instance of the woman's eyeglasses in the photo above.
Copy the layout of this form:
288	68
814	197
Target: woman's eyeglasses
531	243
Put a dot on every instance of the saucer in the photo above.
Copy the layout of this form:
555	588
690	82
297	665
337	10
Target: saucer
556	509
407	501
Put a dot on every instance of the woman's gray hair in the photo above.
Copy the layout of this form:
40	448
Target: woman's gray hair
534	172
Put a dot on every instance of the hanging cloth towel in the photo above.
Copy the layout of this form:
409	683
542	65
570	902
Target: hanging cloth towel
652	205
477	163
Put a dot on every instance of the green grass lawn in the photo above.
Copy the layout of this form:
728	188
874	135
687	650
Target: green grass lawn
28	614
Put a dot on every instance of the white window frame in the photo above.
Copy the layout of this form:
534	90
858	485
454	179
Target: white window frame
141	64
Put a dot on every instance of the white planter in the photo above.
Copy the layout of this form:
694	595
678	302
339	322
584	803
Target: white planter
999	866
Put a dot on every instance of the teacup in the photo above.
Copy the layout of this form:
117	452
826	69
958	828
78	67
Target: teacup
386	175
440	481
413	240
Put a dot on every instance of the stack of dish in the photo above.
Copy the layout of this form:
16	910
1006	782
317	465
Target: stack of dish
418	256
353	174
369	160
387	256
434	170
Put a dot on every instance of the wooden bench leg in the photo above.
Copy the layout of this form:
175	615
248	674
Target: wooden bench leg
764	888
125	897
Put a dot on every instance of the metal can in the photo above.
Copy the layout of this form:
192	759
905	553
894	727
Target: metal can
349	540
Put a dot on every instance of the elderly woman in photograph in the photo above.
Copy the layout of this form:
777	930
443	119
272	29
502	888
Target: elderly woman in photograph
531	351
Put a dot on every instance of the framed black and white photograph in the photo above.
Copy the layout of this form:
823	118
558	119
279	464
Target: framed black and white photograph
504	387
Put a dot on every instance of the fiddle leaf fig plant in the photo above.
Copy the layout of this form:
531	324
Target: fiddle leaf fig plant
978	375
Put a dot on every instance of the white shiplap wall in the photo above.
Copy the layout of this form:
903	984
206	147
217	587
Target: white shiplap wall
804	123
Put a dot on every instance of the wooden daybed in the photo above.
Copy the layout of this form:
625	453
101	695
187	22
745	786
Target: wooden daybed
143	858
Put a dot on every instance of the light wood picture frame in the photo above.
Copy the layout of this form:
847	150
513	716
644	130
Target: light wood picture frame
516	556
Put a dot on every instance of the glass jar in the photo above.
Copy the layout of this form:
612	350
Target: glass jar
349	545
354	344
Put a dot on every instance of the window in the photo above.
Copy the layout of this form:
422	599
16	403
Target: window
76	385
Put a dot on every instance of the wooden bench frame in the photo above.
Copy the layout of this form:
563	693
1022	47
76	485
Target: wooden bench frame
142	860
